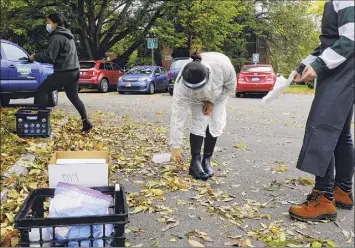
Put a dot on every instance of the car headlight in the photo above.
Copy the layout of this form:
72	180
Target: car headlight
120	80
142	79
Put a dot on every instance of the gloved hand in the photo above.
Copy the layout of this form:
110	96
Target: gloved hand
207	108
176	155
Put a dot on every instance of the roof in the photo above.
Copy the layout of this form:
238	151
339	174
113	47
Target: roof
147	66
10	42
181	58
95	61
257	65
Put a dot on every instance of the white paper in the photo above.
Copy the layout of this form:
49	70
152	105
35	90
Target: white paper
280	85
162	158
88	175
34	235
81	161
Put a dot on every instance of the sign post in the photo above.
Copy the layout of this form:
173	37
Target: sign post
255	58
152	44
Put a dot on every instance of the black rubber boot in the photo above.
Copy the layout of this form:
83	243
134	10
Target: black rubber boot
210	143
87	126
196	169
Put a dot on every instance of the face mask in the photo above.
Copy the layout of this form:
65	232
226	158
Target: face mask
49	28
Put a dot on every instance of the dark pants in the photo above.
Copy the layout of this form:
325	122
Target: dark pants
58	80
342	161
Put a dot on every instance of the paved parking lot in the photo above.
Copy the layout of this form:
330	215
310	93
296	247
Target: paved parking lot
256	141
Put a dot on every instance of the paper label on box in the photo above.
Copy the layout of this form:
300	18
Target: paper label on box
89	175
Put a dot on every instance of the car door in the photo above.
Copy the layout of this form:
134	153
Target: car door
164	78
22	74
157	79
110	73
118	73
4	74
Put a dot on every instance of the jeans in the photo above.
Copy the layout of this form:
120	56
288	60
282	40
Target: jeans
342	161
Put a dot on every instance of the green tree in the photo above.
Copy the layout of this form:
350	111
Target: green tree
290	29
207	25
199	25
99	25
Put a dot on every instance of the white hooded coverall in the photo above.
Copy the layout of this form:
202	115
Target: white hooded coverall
222	82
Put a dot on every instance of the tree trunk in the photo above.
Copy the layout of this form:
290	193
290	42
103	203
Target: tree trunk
180	52
83	30
122	60
158	57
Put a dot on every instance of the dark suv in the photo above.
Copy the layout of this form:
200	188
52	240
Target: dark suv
175	68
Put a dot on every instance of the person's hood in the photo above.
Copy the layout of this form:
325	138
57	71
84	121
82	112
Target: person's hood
63	31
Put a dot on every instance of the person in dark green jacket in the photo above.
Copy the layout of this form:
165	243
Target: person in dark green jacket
61	52
328	145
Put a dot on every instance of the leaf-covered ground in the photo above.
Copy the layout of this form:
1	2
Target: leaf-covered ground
244	205
298	89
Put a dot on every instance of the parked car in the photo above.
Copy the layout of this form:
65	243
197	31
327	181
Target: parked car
256	78
148	79
100	75
175	68
21	78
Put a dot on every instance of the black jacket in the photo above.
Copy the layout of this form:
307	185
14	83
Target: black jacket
61	51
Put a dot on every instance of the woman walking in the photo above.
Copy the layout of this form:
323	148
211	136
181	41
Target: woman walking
202	88
62	54
327	144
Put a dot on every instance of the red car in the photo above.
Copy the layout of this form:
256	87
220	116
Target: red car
100	75
256	78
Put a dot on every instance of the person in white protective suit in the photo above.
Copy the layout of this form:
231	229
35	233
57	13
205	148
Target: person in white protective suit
202	87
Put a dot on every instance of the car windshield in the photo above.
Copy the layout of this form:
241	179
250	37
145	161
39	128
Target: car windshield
257	69
178	64
87	65
140	70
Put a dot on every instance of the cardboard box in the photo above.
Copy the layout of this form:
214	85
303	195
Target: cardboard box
89	172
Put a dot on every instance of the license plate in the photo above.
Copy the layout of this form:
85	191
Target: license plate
255	79
128	85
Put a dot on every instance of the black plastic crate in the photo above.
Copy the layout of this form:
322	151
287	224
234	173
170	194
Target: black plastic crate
31	215
33	122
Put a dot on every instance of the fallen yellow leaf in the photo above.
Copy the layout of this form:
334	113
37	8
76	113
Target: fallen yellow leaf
195	243
10	217
14	241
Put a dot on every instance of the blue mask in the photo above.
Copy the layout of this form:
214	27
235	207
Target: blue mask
49	28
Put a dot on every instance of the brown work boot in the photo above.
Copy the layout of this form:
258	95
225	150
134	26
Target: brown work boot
317	207
343	199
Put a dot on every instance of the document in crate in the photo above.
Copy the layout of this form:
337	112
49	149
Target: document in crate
85	168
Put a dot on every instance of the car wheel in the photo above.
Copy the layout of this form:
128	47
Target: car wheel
171	91
151	88
4	101
239	95
103	85
53	99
